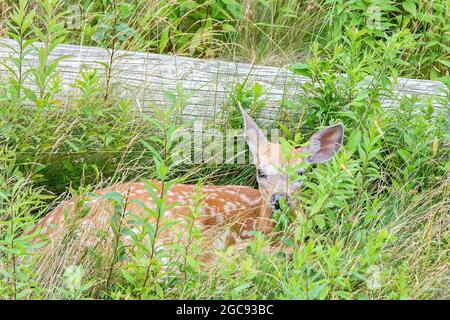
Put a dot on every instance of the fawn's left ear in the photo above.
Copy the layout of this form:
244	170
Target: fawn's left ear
325	143
256	140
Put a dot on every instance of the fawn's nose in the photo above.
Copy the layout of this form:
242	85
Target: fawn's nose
275	200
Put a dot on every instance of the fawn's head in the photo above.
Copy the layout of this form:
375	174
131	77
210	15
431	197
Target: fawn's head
274	183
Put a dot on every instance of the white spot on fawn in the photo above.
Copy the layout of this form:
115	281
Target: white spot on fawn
247	200
87	224
50	218
212	211
246	234
230	192
167	213
229	206
102	219
221	241
236	238
90	243
90	203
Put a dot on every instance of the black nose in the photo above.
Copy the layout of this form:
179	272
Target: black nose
275	200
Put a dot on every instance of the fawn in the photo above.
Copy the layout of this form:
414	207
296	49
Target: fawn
242	209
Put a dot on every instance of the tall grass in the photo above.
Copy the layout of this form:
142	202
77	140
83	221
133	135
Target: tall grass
373	223
269	32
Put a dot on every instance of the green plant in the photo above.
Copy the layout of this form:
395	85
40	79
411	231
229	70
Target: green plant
46	75
426	21
17	250
20	28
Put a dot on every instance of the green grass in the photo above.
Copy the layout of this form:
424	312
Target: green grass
373	222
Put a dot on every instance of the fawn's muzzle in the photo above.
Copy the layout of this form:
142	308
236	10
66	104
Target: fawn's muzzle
275	200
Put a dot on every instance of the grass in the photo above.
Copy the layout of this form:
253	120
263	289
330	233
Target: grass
372	224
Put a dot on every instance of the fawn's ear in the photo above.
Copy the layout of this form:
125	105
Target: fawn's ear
256	140
325	143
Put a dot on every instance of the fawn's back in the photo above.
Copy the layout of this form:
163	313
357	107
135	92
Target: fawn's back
225	214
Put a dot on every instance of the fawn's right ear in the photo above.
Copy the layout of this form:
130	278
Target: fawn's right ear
256	140
325	143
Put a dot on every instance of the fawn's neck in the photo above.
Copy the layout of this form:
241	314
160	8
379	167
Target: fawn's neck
265	222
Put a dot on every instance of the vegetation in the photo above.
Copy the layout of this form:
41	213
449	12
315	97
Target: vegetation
373	222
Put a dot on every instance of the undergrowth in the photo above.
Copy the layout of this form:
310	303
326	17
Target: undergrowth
373	222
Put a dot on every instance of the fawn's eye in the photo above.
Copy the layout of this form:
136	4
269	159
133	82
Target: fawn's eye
260	173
